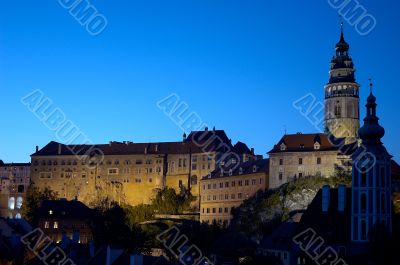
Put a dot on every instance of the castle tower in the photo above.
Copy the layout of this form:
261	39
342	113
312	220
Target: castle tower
342	105
371	192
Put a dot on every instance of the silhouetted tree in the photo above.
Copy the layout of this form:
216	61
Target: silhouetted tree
33	200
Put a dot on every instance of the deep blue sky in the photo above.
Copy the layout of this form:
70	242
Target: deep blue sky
238	64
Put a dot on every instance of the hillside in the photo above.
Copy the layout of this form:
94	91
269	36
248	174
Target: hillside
264	211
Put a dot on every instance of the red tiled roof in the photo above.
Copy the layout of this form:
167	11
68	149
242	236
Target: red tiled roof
305	142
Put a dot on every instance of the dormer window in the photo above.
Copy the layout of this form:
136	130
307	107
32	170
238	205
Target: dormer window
50	212
302	146
230	172
254	169
283	147
240	171
317	146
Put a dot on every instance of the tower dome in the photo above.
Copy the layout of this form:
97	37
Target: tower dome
371	132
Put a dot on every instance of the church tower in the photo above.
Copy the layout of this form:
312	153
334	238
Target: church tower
371	187
342	105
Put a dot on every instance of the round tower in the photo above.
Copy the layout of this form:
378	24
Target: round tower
342	104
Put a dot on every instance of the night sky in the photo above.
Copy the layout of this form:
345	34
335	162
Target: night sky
238	64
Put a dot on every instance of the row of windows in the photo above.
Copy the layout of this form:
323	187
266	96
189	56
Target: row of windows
204	158
203	167
225	197
214	210
301	161
56	225
228	184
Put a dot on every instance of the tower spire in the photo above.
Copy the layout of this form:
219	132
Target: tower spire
370	85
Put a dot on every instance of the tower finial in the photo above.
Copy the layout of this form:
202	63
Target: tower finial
370	85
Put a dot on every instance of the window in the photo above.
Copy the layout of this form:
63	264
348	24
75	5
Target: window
233	183
240	183
280	176
193	180
113	171
253	182
194	167
55	225
240	195
209	186
382	177
383	203
138	180
46	225
226	196
363	202
194	159
246	182
226	210
11	203
363	230
214	210
300	161
232	196
363	177
180	162
283	147
214	197
220	210
180	183
19	202
281	162
221	185
184	162
139	162
226	184
300	175
318	161
338	110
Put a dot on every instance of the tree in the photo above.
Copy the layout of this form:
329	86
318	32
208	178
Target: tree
33	200
168	202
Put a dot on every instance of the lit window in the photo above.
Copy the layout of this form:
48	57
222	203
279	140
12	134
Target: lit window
50	212
46	225
55	225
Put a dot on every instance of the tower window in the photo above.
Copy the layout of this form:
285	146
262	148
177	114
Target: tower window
363	230
363	177
363	202
382	177
300	161
318	161
338	110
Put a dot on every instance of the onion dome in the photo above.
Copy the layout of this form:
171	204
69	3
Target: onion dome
371	132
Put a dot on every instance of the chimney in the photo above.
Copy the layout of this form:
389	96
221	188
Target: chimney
59	149
145	150
156	147
341	198
326	196
206	129
252	151
37	148
184	136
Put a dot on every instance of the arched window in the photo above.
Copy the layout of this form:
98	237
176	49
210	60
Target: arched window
11	203
18	216
19	202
